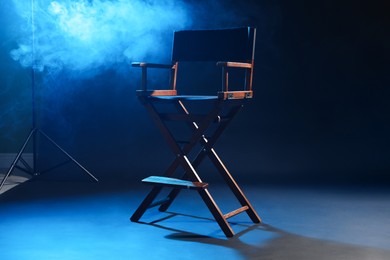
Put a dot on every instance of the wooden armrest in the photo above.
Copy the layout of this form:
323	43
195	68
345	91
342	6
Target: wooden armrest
225	65
244	65
144	67
157	92
244	94
152	65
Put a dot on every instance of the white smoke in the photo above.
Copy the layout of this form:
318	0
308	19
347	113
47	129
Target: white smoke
82	35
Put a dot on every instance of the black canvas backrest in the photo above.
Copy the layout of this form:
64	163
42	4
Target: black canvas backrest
233	44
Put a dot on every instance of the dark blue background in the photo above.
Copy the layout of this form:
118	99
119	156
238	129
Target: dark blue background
321	111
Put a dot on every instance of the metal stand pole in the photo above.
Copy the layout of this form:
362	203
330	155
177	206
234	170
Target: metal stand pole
34	131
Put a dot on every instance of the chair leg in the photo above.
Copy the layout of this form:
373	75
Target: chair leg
233	186
209	151
171	197
145	204
199	129
216	212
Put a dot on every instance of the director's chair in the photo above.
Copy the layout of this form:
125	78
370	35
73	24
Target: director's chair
231	49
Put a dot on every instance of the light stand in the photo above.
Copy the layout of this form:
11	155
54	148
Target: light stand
32	170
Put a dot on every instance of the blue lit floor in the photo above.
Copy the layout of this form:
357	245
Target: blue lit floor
84	220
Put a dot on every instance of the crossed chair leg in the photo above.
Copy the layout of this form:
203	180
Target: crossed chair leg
190	178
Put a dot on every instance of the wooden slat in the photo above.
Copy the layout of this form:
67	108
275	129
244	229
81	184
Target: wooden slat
175	183
235	212
234	64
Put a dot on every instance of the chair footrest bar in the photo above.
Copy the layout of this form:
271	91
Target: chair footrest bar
235	212
175	183
158	203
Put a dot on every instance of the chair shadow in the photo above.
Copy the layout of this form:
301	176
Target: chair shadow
280	245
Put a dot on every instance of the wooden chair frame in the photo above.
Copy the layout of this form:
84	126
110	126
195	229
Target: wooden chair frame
205	128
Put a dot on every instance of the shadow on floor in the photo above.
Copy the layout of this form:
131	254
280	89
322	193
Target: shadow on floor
283	245
86	220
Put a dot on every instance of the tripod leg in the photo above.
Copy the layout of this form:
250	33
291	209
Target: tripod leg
17	158
68	155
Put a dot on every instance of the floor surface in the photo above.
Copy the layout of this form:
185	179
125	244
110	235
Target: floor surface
85	220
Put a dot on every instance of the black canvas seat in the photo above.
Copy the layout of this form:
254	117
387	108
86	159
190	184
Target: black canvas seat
192	124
